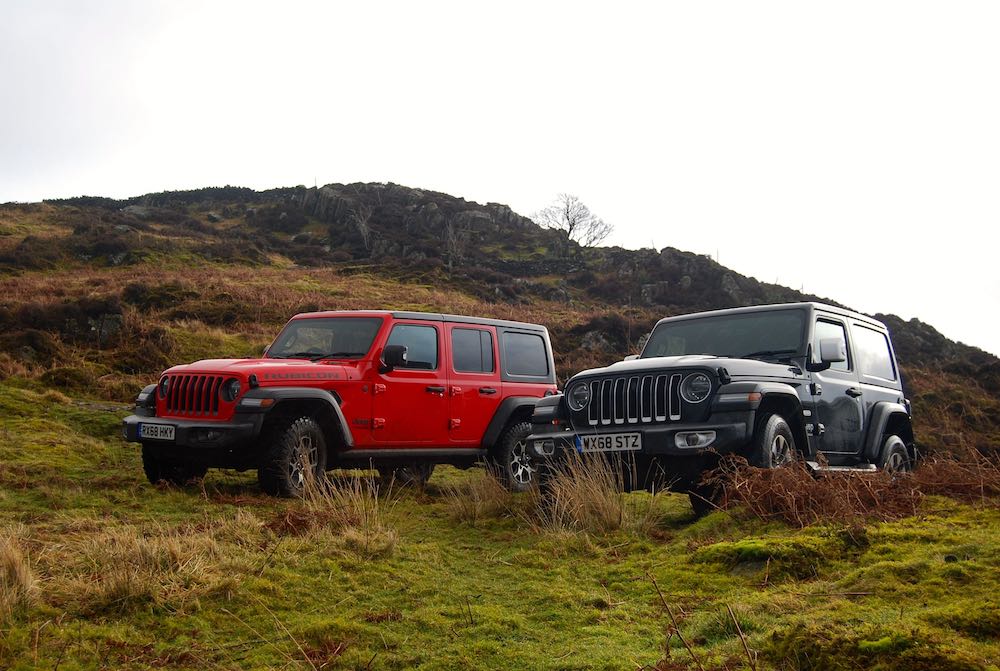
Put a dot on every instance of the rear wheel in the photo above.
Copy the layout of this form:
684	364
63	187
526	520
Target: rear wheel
295	452
894	458
514	466
774	444
176	473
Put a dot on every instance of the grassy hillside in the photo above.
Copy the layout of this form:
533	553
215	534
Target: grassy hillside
100	570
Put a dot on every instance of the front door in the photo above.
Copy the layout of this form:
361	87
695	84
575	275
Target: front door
411	402
837	395
474	382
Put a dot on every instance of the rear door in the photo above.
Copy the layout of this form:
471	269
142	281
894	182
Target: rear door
411	402
474	381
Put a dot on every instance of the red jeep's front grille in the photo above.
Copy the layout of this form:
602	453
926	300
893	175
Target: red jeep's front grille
195	395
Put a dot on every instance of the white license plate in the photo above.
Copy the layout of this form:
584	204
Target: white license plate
156	431
610	442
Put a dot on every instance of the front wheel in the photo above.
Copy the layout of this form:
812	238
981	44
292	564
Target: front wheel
514	466
294	454
774	444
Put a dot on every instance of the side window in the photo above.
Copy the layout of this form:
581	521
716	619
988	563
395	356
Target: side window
827	329
874	358
421	345
524	354
472	350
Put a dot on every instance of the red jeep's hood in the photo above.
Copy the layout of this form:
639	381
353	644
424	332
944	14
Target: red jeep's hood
269	370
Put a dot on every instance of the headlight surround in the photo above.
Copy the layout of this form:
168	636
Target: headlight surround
163	388
578	396
230	390
696	387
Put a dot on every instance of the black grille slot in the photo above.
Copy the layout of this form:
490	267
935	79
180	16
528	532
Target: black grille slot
636	399
195	395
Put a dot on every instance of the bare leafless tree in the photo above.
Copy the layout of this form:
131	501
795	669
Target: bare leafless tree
574	220
360	216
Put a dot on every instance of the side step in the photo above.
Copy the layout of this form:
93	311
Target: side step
860	468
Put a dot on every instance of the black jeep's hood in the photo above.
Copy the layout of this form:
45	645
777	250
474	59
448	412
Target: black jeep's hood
737	368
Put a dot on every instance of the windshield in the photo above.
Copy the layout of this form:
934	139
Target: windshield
774	334
325	338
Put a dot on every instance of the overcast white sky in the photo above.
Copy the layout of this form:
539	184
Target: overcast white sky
851	149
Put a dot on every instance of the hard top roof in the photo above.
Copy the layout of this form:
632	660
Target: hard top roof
425	316
812	306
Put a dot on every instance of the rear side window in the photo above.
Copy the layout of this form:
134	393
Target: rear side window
524	354
472	350
826	329
421	345
872	349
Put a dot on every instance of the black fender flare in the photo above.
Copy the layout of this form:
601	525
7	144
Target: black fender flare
286	394
503	414
881	413
784	392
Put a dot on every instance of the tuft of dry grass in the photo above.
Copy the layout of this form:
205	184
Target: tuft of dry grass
478	498
353	507
587	493
799	497
18	588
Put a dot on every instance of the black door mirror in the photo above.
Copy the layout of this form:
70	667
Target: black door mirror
393	356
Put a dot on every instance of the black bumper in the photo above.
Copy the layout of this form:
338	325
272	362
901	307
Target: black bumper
196	434
733	430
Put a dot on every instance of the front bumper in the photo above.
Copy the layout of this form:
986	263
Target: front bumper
196	434
732	431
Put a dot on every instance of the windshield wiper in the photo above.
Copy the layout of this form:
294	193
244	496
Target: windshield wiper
336	355
768	353
293	355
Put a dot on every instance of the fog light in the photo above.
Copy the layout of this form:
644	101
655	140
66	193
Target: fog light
694	439
546	448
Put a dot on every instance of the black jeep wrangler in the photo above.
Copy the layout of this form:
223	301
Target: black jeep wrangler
771	383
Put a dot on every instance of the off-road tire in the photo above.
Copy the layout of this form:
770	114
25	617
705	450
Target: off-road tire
415	474
894	458
774	444
291	447
511	461
157	470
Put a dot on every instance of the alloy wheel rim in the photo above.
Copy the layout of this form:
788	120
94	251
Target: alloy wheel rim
520	463
303	457
895	463
780	451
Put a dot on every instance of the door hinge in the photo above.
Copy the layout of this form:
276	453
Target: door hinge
816	429
455	391
378	423
379	388
816	389
454	423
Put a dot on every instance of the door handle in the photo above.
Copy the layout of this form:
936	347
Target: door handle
435	390
853	392
487	390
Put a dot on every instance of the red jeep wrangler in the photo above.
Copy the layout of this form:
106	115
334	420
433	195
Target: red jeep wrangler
397	391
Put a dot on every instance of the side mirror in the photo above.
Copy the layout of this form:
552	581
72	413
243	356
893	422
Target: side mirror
832	350
393	356
631	357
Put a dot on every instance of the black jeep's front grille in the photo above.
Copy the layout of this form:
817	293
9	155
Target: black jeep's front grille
637	399
196	395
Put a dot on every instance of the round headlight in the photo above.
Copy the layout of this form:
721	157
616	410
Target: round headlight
230	390
696	387
579	396
164	386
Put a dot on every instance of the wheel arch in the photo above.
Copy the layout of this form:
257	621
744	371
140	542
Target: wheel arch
321	405
511	410
888	419
782	400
